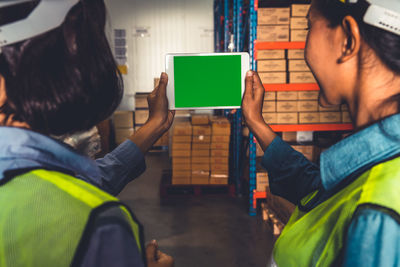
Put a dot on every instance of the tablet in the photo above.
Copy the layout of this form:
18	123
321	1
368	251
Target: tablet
206	81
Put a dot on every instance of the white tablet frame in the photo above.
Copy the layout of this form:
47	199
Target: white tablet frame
169	69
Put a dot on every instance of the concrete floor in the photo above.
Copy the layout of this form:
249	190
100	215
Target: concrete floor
212	231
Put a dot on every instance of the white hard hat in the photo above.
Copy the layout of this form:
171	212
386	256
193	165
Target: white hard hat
383	14
46	16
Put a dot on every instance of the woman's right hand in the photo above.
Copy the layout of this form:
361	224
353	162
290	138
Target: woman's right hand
155	258
252	104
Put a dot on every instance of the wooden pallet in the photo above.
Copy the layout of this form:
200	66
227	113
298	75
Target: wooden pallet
167	189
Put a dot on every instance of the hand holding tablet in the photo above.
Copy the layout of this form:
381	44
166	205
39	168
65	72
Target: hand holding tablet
206	81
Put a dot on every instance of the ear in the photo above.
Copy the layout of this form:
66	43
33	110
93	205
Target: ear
351	40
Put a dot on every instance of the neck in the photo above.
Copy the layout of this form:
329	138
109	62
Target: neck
375	96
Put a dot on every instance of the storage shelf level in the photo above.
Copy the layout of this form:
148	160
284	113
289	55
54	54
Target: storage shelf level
291	87
259	45
312	127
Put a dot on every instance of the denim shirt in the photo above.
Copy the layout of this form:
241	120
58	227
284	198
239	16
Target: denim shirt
373	237
110	244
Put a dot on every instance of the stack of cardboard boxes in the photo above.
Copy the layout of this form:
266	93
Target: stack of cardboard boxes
123	125
201	141
181	152
221	131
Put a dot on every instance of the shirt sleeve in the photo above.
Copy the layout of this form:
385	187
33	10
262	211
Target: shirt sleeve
120	166
373	239
291	175
112	245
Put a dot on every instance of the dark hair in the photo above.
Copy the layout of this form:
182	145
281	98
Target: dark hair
65	80
385	44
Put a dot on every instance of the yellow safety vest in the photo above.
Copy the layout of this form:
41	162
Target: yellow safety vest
44	215
316	237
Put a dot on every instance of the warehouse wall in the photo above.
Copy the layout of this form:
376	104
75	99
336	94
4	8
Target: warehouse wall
157	27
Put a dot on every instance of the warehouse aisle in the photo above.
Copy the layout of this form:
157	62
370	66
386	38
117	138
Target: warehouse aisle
210	231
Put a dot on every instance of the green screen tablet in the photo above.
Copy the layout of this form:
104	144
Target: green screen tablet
206	81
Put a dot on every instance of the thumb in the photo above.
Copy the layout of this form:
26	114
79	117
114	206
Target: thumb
258	87
248	92
151	251
162	86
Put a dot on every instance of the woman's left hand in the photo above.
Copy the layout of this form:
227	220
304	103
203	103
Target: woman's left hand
159	114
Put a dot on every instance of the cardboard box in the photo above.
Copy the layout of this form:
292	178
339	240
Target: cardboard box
220	146
298	35
220	181
200	119
269	96
200	177
344	107
219	160
346	117
201	139
308	117
141	116
287	118
200	146
270	118
295	54
269	106
298	23
330	117
220	138
121	135
181	167
182	128
326	109
181	139
287	95
289	136
183	113
219	175
200	153
262	181
181	153
201	160
273	77
123	119
276	33
219	153
300	10
270	54
307	151
308	95
273	16
181	160
301	77
181	146
220	126
201	130
141	101
286	106
219	167
271	65
180	180
307	106
298	65
200	166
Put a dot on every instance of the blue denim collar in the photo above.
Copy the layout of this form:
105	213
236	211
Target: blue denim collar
20	149
365	148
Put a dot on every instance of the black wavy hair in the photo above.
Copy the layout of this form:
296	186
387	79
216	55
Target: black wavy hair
65	80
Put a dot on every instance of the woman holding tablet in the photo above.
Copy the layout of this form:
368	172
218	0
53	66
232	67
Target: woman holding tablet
348	208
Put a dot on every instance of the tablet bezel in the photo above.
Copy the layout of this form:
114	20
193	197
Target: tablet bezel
169	69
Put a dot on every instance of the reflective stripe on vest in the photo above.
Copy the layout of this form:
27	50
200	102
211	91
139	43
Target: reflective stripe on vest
316	238
44	215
